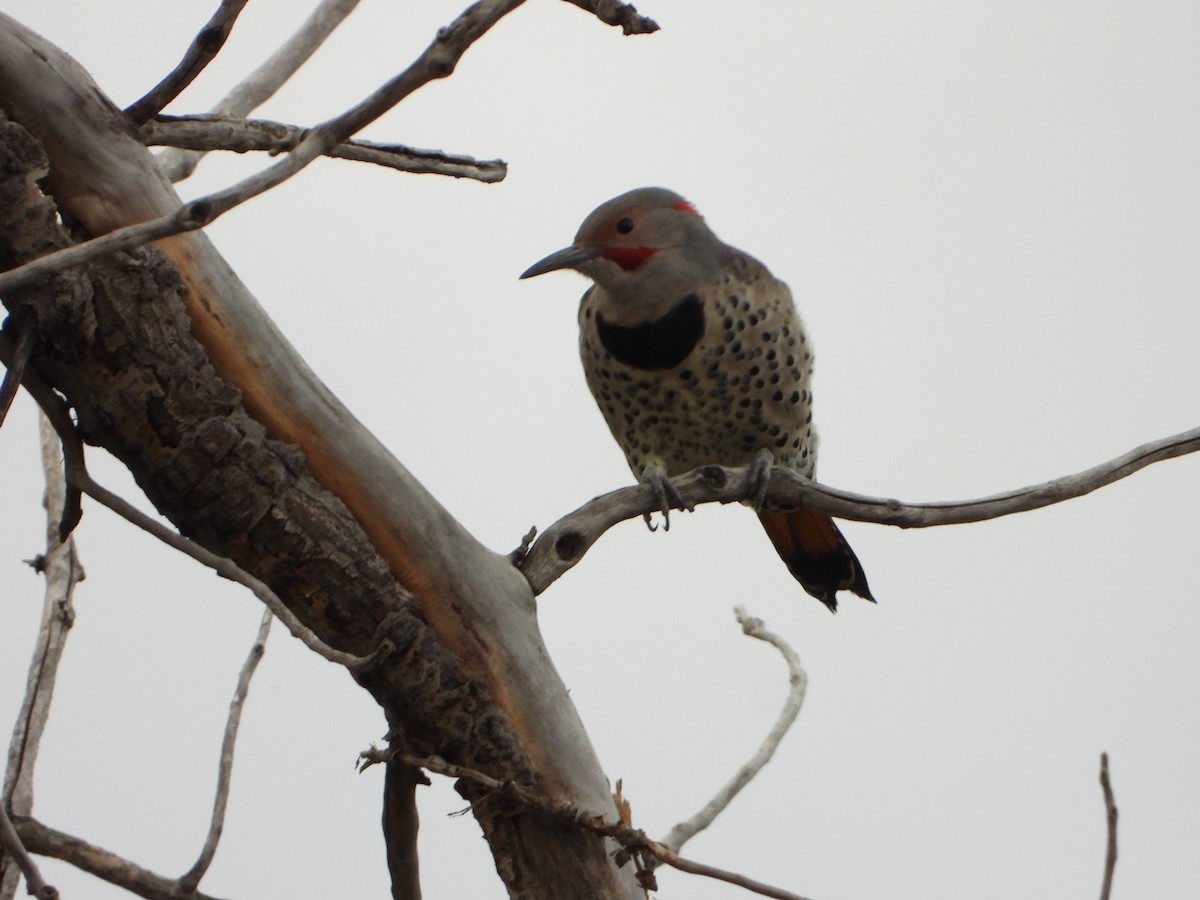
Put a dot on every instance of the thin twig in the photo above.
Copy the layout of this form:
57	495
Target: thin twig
124	873
203	49
1110	814
62	572
211	132
190	880
613	12
437	61
798	681
565	542
632	840
269	77
11	842
77	474
26	325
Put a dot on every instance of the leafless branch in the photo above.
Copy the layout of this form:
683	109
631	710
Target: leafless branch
564	543
190	880
62	572
11	842
686	830
612	12
401	826
26	337
264	81
200	53
634	841
77	475
1110	811
229	133
437	61
46	841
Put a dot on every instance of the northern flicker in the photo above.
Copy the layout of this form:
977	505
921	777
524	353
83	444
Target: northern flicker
696	356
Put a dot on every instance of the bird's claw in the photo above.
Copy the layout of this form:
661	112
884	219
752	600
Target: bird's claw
760	477
668	498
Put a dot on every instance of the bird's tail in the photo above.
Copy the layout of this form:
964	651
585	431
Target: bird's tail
816	554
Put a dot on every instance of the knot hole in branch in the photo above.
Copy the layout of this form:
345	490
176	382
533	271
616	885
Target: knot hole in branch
569	546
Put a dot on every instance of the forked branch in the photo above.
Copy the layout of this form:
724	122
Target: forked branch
633	841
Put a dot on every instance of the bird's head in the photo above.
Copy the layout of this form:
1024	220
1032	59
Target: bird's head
646	240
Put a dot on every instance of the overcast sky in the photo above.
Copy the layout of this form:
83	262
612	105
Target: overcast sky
989	214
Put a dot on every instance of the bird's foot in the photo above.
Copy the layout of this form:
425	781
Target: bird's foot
760	477
668	498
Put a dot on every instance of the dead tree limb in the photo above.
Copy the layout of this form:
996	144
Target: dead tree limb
190	880
1110	821
171	365
683	832
261	84
236	135
613	12
203	50
62	572
141	882
633	841
564	543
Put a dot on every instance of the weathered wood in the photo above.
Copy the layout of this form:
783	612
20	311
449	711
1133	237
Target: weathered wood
174	368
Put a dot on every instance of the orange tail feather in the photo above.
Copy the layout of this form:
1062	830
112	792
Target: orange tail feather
816	554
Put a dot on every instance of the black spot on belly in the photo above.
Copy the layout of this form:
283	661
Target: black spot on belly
661	344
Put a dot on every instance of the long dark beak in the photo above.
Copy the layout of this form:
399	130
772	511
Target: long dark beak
567	258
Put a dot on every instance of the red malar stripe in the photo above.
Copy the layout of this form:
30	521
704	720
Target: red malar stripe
629	258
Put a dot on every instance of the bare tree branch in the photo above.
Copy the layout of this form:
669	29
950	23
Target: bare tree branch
10	841
212	132
798	679
401	825
190	880
203	49
612	12
46	841
62	571
1110	815
268	78
26	326
77	474
437	61
565	542
634	841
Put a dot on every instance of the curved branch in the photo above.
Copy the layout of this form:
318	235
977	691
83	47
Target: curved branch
46	841
1110	816
239	135
190	880
203	50
798	679
566	541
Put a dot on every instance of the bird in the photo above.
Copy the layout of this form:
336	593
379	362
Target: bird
696	356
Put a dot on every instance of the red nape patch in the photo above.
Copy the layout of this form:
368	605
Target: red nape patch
684	206
629	258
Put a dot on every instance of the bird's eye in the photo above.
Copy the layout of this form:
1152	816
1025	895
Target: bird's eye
624	226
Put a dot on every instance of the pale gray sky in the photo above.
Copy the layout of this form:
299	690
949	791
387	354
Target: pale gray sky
989	214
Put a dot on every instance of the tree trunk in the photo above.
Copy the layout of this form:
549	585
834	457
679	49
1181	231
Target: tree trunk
173	368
